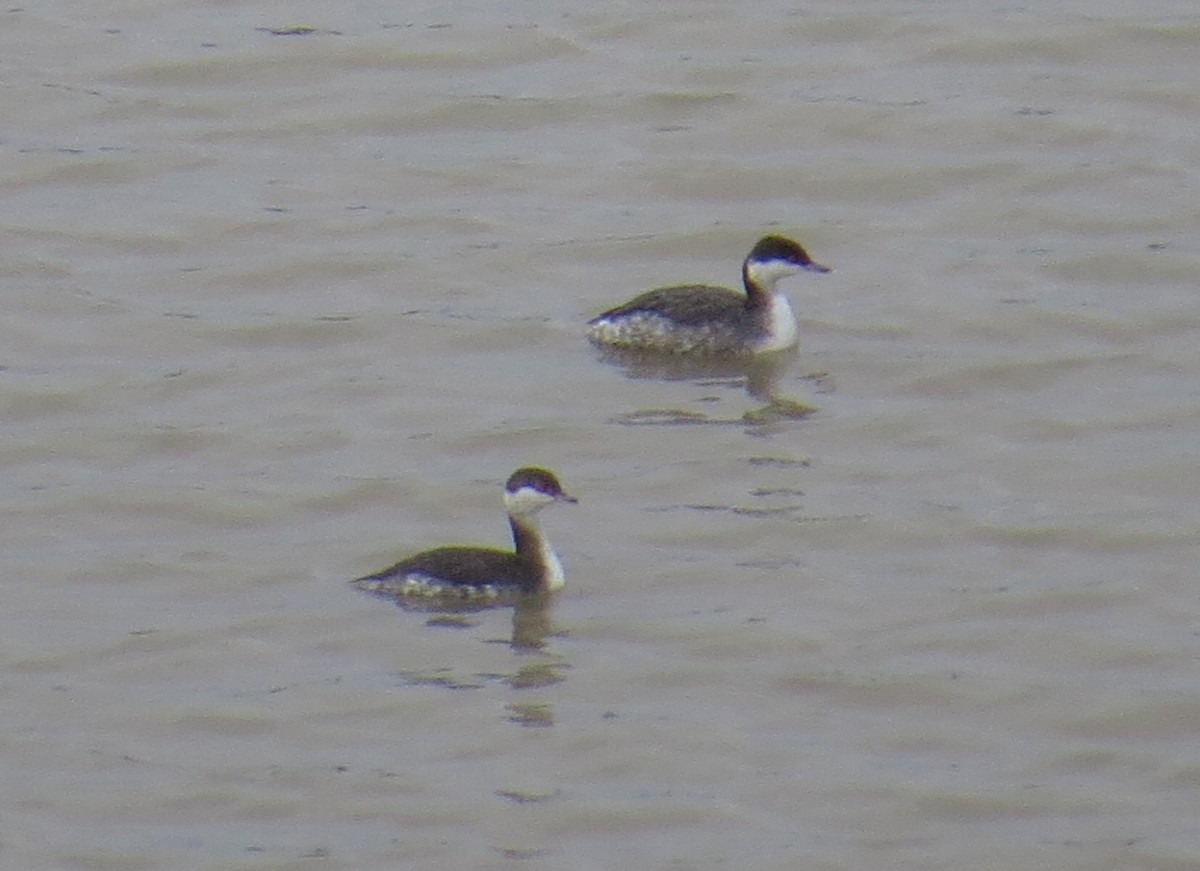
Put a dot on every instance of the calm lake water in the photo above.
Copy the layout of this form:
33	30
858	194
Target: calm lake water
289	290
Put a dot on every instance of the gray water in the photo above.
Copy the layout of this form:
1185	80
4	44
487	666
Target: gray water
282	308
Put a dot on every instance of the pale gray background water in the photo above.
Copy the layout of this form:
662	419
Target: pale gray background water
280	309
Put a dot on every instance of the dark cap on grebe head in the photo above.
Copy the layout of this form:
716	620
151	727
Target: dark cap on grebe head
781	248
542	480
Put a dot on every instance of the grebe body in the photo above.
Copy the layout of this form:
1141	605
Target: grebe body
481	572
713	321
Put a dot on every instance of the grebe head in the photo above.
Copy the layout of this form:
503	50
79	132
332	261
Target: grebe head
531	489
775	257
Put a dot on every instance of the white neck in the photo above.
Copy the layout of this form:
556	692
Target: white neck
781	323
555	579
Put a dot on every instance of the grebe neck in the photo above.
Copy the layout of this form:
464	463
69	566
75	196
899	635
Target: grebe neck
757	295
759	278
534	549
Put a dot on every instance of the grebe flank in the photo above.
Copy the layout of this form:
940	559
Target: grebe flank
481	572
704	320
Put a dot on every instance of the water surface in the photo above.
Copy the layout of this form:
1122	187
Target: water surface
281	309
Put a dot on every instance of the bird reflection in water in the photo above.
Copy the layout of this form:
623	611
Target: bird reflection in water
760	376
531	615
531	627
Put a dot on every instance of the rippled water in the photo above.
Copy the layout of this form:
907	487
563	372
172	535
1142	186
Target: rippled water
281	307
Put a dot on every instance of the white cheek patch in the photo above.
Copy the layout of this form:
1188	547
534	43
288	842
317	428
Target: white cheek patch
768	272
526	500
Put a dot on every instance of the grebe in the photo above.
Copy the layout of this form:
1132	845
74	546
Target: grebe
481	572
703	320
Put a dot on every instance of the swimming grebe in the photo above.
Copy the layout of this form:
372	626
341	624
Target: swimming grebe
481	572
698	319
